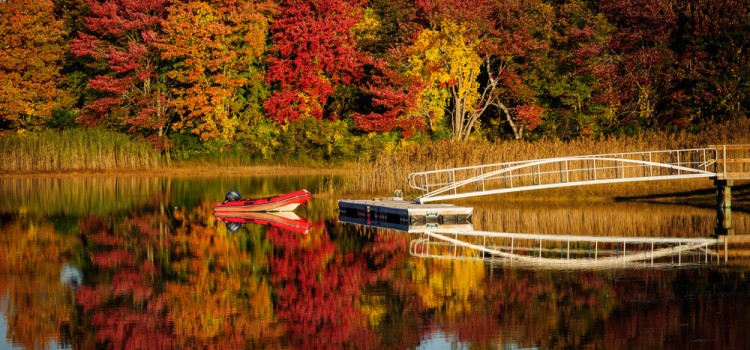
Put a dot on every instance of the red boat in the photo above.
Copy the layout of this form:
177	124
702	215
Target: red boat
284	220
285	202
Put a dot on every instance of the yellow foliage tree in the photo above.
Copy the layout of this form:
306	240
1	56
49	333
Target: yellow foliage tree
446	59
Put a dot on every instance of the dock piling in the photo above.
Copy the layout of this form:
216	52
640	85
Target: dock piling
723	207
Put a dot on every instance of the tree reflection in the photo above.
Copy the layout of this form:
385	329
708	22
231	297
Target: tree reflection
322	286
176	278
220	296
38	304
123	301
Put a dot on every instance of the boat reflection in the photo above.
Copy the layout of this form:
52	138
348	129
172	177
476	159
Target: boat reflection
288	221
564	251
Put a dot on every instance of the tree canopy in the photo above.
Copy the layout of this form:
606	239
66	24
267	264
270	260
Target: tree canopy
241	73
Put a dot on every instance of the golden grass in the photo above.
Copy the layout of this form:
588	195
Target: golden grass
74	150
390	170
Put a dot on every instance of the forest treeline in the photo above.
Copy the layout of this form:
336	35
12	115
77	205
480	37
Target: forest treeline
343	80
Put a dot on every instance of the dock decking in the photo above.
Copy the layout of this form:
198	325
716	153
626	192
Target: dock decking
399	214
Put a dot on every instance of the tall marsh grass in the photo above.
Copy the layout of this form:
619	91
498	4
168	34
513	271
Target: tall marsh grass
75	150
389	171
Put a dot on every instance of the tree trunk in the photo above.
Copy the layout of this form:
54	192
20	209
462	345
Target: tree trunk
517	129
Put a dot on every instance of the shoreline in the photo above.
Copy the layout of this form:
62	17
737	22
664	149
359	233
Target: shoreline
203	170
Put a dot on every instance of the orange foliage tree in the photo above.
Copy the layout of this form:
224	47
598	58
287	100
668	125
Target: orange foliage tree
215	48
33	49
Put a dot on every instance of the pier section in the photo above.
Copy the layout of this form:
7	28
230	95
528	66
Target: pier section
399	214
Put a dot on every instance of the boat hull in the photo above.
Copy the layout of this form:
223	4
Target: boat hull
281	203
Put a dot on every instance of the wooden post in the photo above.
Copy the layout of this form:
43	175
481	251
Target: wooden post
723	207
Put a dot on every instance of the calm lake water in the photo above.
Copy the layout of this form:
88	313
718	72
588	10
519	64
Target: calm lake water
121	263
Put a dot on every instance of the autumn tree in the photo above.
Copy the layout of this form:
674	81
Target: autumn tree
33	49
215	48
470	61
313	54
574	105
121	41
390	96
634	77
386	26
711	44
393	102
513	52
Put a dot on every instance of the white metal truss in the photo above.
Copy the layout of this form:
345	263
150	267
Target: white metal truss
498	178
563	251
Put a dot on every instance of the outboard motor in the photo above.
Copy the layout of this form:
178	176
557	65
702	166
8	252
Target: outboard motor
233	227
232	195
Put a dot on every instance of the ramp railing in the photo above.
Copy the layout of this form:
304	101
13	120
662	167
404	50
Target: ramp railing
564	171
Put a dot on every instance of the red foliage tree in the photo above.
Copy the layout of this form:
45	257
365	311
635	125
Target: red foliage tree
710	77
313	52
393	97
121	40
633	78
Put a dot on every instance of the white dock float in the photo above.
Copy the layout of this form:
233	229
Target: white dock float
402	215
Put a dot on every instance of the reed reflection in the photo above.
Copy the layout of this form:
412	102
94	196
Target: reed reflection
601	218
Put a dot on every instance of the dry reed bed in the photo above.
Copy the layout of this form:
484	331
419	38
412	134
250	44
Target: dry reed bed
390	170
75	150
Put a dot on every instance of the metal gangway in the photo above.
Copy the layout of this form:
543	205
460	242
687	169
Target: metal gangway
461	182
564	251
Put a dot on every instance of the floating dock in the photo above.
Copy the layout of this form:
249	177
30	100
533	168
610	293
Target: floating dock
399	214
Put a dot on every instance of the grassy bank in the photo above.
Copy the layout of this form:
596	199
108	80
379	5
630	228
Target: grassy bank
75	150
390	170
95	150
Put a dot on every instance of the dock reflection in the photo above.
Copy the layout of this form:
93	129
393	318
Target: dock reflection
418	227
459	241
565	251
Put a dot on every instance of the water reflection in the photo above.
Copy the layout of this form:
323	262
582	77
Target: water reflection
164	272
565	252
601	218
287	221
